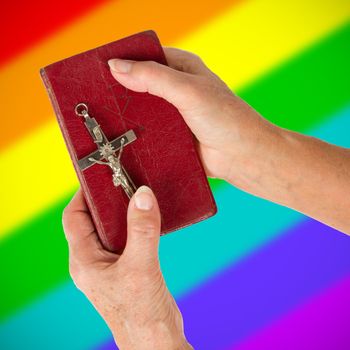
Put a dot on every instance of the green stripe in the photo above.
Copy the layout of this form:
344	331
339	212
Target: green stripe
33	259
303	92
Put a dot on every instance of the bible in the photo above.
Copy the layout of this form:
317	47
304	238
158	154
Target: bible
119	139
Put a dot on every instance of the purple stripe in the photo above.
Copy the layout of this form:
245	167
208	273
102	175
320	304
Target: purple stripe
264	286
322	324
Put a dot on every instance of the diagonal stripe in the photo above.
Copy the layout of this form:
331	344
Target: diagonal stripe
322	324
75	325
183	263
233	305
245	56
321	73
219	313
274	95
242	45
107	23
49	175
287	272
39	17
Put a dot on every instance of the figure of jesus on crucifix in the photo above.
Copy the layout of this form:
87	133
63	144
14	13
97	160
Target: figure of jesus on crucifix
114	163
106	150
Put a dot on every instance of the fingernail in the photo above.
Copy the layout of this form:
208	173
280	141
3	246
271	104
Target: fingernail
120	66
144	198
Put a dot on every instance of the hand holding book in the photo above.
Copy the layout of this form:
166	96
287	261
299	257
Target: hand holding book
234	143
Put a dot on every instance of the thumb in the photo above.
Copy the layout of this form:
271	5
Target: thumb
143	220
178	88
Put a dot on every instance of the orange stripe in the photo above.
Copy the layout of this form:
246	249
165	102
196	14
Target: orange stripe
23	99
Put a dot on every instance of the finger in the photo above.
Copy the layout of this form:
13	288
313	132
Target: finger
80	230
179	88
185	61
143	229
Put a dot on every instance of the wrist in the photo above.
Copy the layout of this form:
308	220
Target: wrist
151	336
255	153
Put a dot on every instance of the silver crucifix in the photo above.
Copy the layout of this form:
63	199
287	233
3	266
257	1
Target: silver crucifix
107	150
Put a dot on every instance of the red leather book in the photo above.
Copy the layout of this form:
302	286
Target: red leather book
158	151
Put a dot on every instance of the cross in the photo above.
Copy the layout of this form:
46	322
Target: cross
107	150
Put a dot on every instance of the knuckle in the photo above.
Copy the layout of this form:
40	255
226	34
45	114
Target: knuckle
191	62
79	272
195	57
67	220
65	215
78	275
145	227
74	271
146	69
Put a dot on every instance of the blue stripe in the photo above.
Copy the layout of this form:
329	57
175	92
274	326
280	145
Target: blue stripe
265	285
268	284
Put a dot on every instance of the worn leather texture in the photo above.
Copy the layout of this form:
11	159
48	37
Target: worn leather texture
163	156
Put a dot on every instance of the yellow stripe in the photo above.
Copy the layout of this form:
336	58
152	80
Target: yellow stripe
38	172
240	46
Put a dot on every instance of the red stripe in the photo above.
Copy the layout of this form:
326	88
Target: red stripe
24	23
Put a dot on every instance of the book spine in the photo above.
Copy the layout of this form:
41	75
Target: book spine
87	195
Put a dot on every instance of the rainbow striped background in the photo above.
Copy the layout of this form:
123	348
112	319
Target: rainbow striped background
257	275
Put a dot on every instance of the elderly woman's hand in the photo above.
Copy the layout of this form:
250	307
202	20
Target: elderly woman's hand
238	145
128	290
217	117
